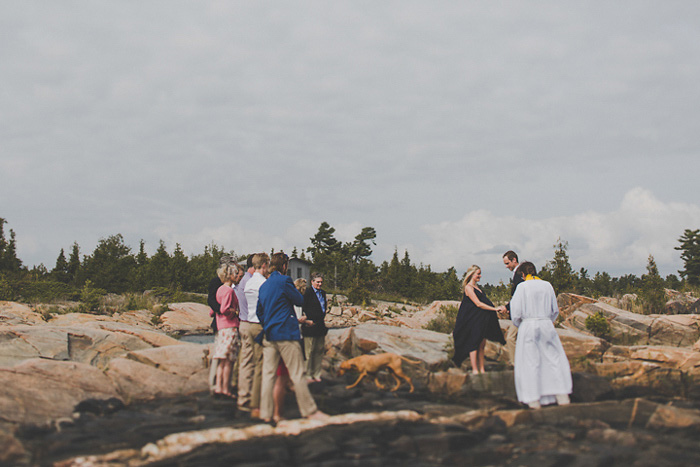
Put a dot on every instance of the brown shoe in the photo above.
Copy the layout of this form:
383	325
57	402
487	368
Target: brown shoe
255	413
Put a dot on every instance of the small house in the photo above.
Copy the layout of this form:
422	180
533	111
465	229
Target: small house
299	268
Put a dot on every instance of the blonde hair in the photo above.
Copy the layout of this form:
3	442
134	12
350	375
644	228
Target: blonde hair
300	284
225	271
260	259
469	274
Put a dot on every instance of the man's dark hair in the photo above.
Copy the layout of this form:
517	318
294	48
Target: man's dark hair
526	269
316	275
277	261
510	254
249	261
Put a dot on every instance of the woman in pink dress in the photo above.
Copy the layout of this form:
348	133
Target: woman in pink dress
227	341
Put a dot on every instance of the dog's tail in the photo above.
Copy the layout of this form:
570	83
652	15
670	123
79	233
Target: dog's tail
415	362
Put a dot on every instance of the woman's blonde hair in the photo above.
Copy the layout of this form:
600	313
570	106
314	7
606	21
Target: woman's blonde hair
469	274
300	284
225	271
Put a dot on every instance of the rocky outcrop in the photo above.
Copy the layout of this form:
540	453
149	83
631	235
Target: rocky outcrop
186	319
427	346
12	314
161	372
420	319
86	344
629	327
40	391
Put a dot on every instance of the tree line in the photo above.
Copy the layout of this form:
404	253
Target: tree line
113	267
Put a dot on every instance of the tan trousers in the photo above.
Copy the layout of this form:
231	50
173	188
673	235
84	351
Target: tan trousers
511	337
250	365
314	347
290	352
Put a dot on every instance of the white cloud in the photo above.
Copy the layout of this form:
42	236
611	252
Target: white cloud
618	241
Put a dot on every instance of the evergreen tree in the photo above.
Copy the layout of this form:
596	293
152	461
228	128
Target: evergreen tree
73	266
559	271
690	254
111	265
652	291
178	269
451	288
602	285
323	246
202	267
9	263
158	270
60	271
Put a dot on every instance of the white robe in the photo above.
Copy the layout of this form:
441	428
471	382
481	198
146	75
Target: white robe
541	367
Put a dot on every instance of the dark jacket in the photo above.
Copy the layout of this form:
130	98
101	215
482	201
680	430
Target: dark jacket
313	311
214	285
517	279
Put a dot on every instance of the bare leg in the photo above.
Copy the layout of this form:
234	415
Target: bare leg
482	347
219	385
278	394
473	357
226	377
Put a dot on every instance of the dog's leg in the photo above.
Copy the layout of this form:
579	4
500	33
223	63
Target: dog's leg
376	381
399	371
362	375
398	381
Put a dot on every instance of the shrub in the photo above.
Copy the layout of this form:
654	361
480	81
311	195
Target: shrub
598	325
445	321
91	297
6	292
359	296
158	311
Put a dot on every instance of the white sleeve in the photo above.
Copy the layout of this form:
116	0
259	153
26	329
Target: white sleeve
554	312
517	306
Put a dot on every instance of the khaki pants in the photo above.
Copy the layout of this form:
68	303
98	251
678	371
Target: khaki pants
511	337
314	347
250	365
290	352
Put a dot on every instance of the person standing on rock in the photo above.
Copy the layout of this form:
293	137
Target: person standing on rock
280	339
214	306
227	341
314	308
542	371
476	322
510	259
250	371
283	383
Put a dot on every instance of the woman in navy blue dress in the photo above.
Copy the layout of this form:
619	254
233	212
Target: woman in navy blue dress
477	321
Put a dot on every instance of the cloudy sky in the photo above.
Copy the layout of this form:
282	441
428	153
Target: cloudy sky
457	130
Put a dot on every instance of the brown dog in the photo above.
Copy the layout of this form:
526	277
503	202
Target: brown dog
373	363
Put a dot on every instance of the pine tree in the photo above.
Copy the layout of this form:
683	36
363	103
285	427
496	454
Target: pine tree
9	262
652	291
73	267
559	271
60	271
690	254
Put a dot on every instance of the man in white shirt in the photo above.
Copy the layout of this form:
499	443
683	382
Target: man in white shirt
250	366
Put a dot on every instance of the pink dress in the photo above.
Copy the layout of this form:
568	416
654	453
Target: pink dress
227	341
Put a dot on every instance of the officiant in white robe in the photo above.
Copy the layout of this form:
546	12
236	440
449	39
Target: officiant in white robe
542	371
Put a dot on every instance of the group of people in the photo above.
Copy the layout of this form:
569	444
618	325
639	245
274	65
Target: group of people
270	334
260	317
542	372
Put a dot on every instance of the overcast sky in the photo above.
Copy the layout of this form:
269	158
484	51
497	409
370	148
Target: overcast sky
458	130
